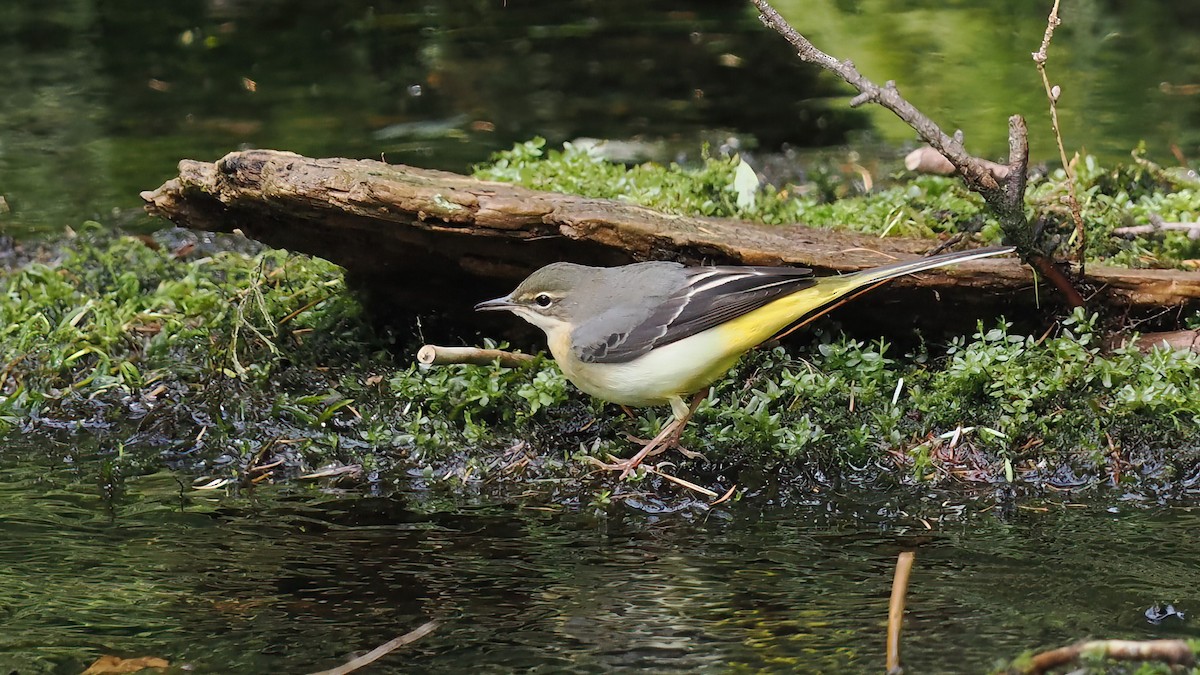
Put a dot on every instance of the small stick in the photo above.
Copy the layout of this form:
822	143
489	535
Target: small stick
303	309
1174	652
433	355
1158	225
381	651
904	564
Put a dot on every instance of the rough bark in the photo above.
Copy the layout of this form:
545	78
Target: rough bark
424	239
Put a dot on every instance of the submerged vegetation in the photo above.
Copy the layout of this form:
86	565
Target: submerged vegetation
1137	193
230	361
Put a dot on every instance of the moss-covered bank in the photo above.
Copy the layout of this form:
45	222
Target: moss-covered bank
834	195
228	361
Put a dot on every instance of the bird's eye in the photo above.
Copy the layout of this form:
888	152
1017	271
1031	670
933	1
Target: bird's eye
543	300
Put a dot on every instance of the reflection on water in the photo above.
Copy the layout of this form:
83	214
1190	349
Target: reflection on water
100	100
119	92
292	580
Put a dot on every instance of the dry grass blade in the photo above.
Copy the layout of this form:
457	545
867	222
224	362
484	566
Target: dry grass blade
333	471
679	481
725	497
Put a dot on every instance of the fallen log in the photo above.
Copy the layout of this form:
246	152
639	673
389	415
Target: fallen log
423	240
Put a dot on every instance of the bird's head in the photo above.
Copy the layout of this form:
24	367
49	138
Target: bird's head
550	298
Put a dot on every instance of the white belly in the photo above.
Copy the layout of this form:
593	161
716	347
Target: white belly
675	370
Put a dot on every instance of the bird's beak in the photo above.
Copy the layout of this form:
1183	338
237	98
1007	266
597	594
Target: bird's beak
500	304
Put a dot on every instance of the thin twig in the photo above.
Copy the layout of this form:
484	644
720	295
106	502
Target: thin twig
381	651
904	563
725	497
1052	94
304	309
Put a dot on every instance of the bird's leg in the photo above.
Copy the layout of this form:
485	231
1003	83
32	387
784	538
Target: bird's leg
666	439
656	445
673	440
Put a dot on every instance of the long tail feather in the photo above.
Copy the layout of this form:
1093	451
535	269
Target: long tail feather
900	269
833	292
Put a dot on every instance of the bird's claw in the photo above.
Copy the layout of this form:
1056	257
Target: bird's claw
625	466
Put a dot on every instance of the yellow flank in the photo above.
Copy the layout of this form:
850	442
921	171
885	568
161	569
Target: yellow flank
681	368
752	329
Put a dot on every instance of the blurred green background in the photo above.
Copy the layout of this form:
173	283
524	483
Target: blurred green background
101	98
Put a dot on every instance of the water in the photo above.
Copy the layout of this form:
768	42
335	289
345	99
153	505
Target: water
292	579
99	101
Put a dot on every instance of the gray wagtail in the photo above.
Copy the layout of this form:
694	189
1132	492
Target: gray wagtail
652	333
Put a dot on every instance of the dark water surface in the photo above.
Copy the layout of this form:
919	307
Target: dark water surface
100	100
291	579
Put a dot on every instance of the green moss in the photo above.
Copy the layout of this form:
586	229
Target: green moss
113	313
920	206
1138	193
228	359
224	361
1009	396
710	189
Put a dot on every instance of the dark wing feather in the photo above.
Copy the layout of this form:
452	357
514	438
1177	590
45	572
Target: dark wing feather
709	296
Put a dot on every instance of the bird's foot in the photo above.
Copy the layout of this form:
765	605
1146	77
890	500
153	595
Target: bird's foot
666	438
668	445
625	466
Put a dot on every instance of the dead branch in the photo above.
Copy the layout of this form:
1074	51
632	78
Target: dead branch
1006	197
433	355
415	239
682	483
973	171
1174	652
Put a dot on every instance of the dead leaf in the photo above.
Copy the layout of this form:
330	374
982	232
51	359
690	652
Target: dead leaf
109	664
